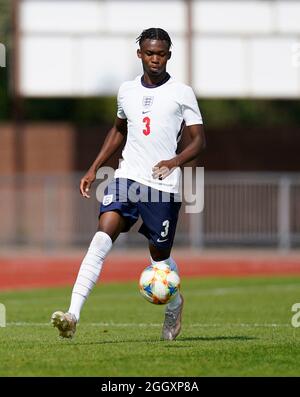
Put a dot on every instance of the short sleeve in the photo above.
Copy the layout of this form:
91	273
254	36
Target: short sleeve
120	111
190	109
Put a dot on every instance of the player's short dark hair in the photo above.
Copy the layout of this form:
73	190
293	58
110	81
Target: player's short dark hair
154	34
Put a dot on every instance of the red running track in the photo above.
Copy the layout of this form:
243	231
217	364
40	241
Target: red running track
38	272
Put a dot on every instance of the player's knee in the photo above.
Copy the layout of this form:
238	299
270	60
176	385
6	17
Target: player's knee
101	238
159	254
108	231
112	224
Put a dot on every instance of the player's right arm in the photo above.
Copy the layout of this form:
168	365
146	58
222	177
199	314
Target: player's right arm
111	144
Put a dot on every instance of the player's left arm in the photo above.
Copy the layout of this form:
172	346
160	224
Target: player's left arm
164	168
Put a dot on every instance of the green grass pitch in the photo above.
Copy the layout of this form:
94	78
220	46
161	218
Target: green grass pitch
231	327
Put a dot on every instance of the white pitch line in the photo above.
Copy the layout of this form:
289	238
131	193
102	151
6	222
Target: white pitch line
196	325
242	325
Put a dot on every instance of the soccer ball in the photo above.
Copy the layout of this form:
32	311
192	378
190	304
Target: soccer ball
159	284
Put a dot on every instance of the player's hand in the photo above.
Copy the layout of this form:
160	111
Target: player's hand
163	169
86	182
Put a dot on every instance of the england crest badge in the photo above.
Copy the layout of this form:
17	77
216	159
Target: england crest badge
147	101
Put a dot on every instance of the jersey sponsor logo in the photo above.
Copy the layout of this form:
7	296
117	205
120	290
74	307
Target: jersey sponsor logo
148	101
107	199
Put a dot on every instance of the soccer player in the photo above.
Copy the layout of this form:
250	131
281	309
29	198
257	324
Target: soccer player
152	111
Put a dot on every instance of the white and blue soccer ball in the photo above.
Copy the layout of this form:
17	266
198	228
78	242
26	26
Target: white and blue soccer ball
158	284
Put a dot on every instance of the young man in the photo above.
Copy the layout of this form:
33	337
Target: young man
152	111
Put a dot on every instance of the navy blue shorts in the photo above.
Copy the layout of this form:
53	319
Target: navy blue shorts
158	210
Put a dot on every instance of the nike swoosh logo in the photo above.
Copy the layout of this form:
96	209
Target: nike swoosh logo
161	241
148	111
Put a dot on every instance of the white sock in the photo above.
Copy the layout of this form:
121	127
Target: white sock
176	301
89	271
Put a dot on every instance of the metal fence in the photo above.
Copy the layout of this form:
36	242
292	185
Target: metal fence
257	209
252	208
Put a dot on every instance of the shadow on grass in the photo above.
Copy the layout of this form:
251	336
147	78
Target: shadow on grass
182	339
116	341
216	338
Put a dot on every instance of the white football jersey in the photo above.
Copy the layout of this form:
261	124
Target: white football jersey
155	120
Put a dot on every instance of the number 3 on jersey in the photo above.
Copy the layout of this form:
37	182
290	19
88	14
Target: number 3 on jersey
146	120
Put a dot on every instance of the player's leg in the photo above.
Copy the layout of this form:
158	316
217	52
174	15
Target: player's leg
111	224
159	226
173	313
159	254
116	216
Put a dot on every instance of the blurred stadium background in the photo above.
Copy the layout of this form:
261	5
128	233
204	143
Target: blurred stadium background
65	60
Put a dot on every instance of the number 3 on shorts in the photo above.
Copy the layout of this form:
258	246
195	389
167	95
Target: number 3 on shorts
166	225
